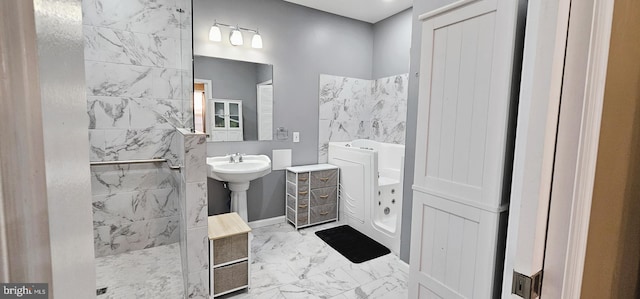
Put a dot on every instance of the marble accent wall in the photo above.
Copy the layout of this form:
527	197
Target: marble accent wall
134	207
194	240
352	108
138	86
388	109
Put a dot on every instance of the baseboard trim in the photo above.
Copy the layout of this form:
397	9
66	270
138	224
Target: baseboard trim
404	267
266	222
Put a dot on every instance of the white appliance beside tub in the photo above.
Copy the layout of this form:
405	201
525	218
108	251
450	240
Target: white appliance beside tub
371	176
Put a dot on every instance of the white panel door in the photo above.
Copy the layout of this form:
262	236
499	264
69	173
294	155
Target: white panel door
461	145
458	110
465	92
453	248
265	112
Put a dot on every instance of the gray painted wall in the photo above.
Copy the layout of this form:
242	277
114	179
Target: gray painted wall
231	79
419	7
391	45
301	43
265	72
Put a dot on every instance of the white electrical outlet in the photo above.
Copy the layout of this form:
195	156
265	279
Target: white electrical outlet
296	136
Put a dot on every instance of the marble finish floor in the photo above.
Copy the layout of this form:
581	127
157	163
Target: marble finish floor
149	273
285	264
297	264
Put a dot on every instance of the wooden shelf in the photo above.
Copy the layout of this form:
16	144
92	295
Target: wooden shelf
229	254
226	225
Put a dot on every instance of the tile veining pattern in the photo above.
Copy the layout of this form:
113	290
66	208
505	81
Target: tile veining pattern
352	108
134	207
297	264
138	82
194	238
150	273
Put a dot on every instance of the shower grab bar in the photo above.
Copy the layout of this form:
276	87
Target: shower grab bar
99	163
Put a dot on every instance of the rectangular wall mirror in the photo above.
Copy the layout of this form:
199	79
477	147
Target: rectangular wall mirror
233	100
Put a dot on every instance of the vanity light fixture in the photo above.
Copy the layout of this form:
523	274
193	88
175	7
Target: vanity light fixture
215	35
256	41
236	38
235	35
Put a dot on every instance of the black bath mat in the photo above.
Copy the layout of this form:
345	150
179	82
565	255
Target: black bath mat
352	244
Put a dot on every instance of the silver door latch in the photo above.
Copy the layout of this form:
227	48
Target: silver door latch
525	286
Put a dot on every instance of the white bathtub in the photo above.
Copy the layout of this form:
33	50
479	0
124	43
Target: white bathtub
371	175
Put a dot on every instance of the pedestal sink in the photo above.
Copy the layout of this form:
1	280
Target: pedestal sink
238	175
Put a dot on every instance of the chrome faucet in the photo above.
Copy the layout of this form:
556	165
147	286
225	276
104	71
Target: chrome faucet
235	158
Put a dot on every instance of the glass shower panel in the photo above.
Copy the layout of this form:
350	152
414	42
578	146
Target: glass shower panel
186	54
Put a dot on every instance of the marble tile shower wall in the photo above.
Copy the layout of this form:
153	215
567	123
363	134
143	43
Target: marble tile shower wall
134	207
352	108
193	207
138	79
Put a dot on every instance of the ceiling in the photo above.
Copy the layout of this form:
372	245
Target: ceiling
370	11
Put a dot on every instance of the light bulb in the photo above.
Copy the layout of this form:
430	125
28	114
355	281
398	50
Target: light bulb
236	38
256	41
214	33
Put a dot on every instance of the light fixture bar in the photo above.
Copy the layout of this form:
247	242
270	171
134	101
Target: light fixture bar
235	36
248	30
236	27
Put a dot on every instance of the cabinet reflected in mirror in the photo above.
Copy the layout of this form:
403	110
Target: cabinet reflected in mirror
233	100
227	125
